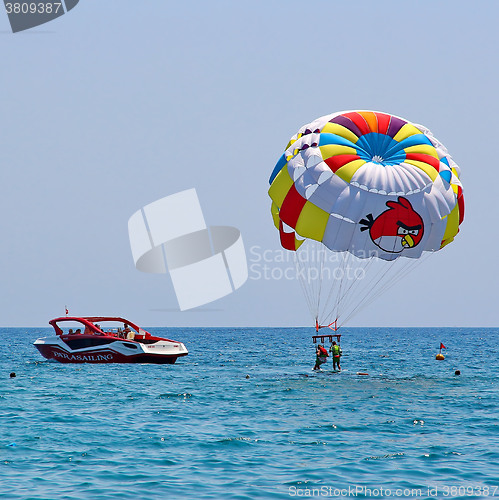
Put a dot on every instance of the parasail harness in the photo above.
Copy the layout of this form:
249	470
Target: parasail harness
329	336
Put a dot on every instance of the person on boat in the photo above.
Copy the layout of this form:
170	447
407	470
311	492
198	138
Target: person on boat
127	332
336	350
70	331
321	356
78	331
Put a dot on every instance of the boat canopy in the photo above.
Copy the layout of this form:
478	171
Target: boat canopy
89	323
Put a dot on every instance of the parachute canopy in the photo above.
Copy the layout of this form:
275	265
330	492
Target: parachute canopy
369	184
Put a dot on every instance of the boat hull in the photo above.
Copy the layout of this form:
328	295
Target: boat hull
111	352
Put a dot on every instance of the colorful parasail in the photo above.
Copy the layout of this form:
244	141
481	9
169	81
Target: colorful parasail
363	185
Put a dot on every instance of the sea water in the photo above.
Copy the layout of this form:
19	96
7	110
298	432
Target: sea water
244	416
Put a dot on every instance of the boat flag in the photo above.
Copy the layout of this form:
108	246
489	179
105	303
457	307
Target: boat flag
67	312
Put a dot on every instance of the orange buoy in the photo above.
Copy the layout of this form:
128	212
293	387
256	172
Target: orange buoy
440	356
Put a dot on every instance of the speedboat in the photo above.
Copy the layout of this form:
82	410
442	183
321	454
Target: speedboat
100	339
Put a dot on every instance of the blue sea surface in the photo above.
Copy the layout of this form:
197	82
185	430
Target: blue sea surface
244	416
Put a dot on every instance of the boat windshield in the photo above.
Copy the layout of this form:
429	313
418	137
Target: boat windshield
97	326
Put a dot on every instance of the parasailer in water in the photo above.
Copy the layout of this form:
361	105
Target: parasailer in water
360	197
321	356
336	351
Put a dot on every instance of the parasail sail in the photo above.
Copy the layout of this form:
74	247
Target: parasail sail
361	198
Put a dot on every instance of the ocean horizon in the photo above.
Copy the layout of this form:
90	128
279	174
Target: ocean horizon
244	416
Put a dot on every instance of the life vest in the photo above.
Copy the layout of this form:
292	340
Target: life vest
336	351
323	351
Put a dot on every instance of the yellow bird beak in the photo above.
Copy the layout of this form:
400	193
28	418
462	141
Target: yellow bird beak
407	241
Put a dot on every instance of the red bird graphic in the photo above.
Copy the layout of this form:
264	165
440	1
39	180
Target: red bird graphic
395	229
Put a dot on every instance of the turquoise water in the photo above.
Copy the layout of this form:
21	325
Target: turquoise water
202	429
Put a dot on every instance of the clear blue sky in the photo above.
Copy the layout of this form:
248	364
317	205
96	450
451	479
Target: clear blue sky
120	103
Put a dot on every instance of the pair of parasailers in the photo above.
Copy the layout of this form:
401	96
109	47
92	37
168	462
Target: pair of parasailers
322	355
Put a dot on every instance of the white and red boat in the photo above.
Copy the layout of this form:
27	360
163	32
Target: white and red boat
100	339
